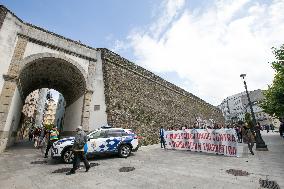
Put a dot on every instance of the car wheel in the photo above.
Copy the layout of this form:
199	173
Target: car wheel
67	155
124	151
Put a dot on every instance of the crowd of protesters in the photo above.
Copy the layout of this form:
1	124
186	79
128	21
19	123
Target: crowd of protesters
245	133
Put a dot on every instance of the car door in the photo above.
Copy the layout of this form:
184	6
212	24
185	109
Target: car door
101	142
97	142
92	141
113	140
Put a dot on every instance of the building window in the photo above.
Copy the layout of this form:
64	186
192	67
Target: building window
96	107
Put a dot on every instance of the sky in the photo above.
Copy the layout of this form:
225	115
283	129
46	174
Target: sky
201	46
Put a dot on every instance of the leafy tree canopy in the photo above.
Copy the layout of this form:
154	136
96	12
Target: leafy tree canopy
49	126
273	104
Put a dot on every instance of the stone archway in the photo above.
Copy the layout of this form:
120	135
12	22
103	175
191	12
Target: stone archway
44	70
48	70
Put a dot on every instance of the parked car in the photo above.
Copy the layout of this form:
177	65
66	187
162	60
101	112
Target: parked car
104	140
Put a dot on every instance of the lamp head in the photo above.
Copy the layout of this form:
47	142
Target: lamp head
243	75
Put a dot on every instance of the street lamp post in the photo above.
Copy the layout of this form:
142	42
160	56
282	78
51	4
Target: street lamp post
260	144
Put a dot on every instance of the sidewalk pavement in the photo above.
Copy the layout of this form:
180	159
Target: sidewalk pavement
154	168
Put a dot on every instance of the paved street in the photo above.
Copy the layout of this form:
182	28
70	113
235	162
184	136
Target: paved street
154	168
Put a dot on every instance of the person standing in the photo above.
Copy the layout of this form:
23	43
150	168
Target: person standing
272	127
267	128
162	137
78	150
281	128
258	126
53	137
42	140
239	133
31	134
248	138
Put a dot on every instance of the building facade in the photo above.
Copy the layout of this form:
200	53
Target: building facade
30	106
236	106
50	113
60	110
40	107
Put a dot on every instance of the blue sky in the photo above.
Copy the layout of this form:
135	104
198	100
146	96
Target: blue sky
200	45
95	23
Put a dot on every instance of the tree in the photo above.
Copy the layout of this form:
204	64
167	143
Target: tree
48	126
273	103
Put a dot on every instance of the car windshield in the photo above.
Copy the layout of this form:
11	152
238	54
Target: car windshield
92	131
129	131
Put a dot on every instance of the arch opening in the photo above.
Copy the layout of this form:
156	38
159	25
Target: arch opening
54	73
48	71
42	108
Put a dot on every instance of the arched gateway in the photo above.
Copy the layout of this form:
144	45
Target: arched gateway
99	86
49	70
32	58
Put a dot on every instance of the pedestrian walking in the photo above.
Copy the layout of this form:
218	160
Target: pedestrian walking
31	134
248	138
162	137
258	126
36	136
267	128
78	150
42	139
281	128
42	134
272	127
53	137
239	133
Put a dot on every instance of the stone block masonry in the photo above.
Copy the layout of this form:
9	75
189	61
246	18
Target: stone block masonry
3	13
138	99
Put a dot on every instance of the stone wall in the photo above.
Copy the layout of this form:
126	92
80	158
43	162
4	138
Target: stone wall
139	99
3	12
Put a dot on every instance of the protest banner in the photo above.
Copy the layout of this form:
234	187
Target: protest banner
218	141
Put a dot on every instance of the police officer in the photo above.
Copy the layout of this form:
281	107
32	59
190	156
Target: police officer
162	137
53	137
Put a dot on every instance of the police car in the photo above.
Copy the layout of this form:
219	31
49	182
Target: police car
104	140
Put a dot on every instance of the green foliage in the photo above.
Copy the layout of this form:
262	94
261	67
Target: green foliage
49	126
273	104
248	120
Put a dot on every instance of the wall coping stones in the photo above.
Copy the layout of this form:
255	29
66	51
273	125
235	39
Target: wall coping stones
3	13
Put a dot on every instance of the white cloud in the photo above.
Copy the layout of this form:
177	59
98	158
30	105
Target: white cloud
119	46
170	11
211	47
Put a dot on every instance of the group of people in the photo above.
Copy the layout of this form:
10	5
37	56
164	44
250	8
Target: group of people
268	128
52	135
41	135
34	133
244	133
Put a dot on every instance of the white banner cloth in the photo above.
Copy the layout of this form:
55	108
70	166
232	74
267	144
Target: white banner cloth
218	141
